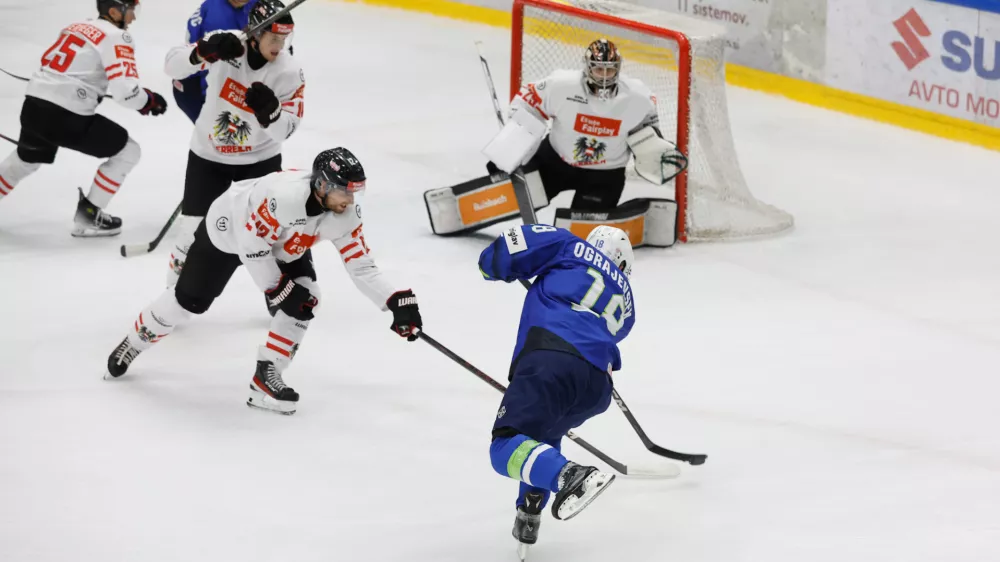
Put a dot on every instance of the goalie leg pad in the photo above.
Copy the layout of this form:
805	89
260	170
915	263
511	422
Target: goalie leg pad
648	222
479	203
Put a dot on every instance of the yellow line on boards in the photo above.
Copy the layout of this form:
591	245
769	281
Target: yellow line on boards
744	77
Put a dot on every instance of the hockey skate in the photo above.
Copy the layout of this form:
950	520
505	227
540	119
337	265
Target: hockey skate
120	359
91	221
578	486
269	392
527	522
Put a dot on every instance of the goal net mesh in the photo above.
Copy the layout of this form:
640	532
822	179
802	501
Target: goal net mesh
719	204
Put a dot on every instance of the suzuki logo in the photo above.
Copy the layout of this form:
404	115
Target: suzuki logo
911	51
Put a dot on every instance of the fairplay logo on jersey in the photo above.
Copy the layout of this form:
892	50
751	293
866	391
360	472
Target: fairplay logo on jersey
236	94
597	126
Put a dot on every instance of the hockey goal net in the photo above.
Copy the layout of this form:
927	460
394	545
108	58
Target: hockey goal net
683	61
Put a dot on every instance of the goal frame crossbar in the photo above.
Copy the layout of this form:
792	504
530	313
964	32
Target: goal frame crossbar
683	80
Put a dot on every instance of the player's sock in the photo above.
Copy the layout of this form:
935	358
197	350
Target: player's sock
268	390
110	175
522	458
185	227
153	324
12	171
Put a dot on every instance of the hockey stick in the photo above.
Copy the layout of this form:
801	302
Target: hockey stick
691	459
669	471
132	250
517	180
21	78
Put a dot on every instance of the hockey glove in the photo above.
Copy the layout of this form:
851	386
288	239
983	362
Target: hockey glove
220	46
264	104
405	314
292	299
155	105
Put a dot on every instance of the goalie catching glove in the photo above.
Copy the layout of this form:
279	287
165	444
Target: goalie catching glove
405	314
656	160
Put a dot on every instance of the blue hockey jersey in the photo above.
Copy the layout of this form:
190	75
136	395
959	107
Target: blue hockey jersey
579	297
215	15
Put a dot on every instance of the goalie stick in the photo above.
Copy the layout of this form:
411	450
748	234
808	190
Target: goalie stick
667	471
131	250
521	192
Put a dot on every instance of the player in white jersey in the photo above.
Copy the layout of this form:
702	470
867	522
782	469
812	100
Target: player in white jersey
91	60
599	117
254	102
268	225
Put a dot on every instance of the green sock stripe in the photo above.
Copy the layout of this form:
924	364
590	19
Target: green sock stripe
517	459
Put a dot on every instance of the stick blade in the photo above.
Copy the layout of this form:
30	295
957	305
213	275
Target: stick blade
660	471
132	250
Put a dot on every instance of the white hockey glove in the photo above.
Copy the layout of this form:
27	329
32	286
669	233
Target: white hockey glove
656	160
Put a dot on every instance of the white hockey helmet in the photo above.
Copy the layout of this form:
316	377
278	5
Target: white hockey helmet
615	244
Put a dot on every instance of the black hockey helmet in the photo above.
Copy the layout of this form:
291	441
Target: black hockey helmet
600	59
104	9
337	168
264	9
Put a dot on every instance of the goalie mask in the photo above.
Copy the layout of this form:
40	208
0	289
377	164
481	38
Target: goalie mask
337	169
615	244
602	63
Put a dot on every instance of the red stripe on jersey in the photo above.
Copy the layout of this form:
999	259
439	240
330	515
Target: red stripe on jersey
105	188
112	67
109	180
357	255
113	76
276	337
349	247
9	186
278	349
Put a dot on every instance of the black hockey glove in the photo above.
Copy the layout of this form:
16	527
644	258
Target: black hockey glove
405	314
264	104
292	299
155	105
221	46
492	169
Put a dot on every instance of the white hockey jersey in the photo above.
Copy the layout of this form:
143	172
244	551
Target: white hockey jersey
264	220
90	60
227	131
586	130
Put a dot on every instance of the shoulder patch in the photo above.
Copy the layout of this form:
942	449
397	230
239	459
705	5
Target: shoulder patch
357	209
126	37
515	240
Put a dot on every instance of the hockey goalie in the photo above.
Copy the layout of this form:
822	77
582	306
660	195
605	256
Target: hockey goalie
574	130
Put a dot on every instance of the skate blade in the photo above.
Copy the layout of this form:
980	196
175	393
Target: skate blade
574	509
262	401
79	232
522	551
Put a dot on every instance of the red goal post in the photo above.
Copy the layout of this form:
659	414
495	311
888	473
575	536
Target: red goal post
682	60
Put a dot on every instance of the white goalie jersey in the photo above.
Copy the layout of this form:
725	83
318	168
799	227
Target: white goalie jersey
264	220
227	131
588	131
90	60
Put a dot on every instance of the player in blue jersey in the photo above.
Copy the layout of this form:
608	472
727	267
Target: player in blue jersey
575	314
213	15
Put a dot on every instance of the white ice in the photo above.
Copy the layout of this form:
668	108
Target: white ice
843	378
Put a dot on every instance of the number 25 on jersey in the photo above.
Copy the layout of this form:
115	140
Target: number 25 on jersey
61	54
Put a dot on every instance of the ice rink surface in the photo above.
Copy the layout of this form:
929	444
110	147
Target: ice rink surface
843	378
